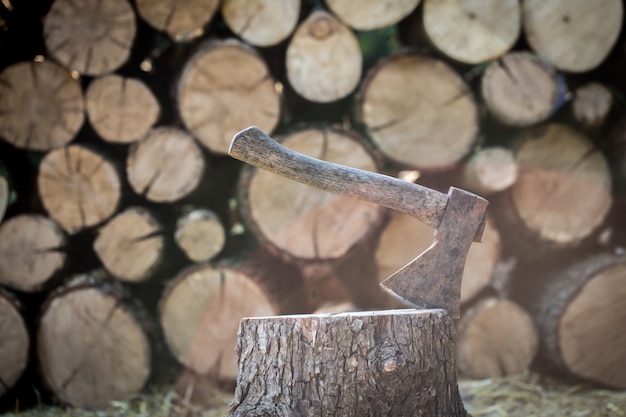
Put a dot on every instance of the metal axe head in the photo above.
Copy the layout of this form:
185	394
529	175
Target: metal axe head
433	279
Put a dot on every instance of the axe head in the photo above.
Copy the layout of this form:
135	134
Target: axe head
433	279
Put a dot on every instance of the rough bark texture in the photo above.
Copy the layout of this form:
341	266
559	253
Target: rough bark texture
472	31
14	343
592	104
225	87
563	192
166	165
31	252
261	22
580	316
495	338
181	21
520	89
323	59
418	111
90	37
121	109
41	106
78	187
556	28
490	170
391	363
130	245
200	234
91	346
200	311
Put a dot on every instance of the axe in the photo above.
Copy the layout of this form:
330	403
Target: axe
433	279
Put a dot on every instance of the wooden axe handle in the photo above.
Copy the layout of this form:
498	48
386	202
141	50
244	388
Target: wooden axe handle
256	148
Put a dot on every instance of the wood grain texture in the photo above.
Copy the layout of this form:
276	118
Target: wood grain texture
371	14
181	21
14	343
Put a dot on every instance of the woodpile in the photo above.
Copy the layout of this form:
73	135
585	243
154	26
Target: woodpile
128	236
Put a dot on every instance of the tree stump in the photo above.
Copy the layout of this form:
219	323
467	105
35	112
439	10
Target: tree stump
371	14
224	88
121	110
199	314
592	104
181	21
261	22
580	316
166	165
93	38
14	343
91	345
563	191
495	338
472	32
130	245
200	234
520	89
41	106
490	170
32	251
78	187
391	363
418	111
554	29
323	59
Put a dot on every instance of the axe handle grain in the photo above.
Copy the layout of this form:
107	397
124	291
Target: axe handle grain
256	148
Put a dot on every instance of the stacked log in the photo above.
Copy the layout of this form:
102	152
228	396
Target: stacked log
115	124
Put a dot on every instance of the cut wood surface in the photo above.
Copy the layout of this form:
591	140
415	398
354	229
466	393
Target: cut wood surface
14	343
91	347
93	38
120	109
200	311
490	170
181	21
224	88
574	35
200	234
31	252
391	363
371	14
592	104
323	59
165	165
520	89
418	111
580	317
130	245
495	338
261	22
78	187
404	238
472	31
5	195
302	222
563	192
41	105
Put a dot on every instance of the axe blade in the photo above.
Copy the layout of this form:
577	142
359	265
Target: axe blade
433	279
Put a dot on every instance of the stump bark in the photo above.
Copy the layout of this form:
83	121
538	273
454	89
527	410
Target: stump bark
181	21
120	109
41	106
32	251
14	343
78	187
472	32
418	111
261	22
200	234
323	59
93	38
130	245
556	28
166	165
391	363
91	344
